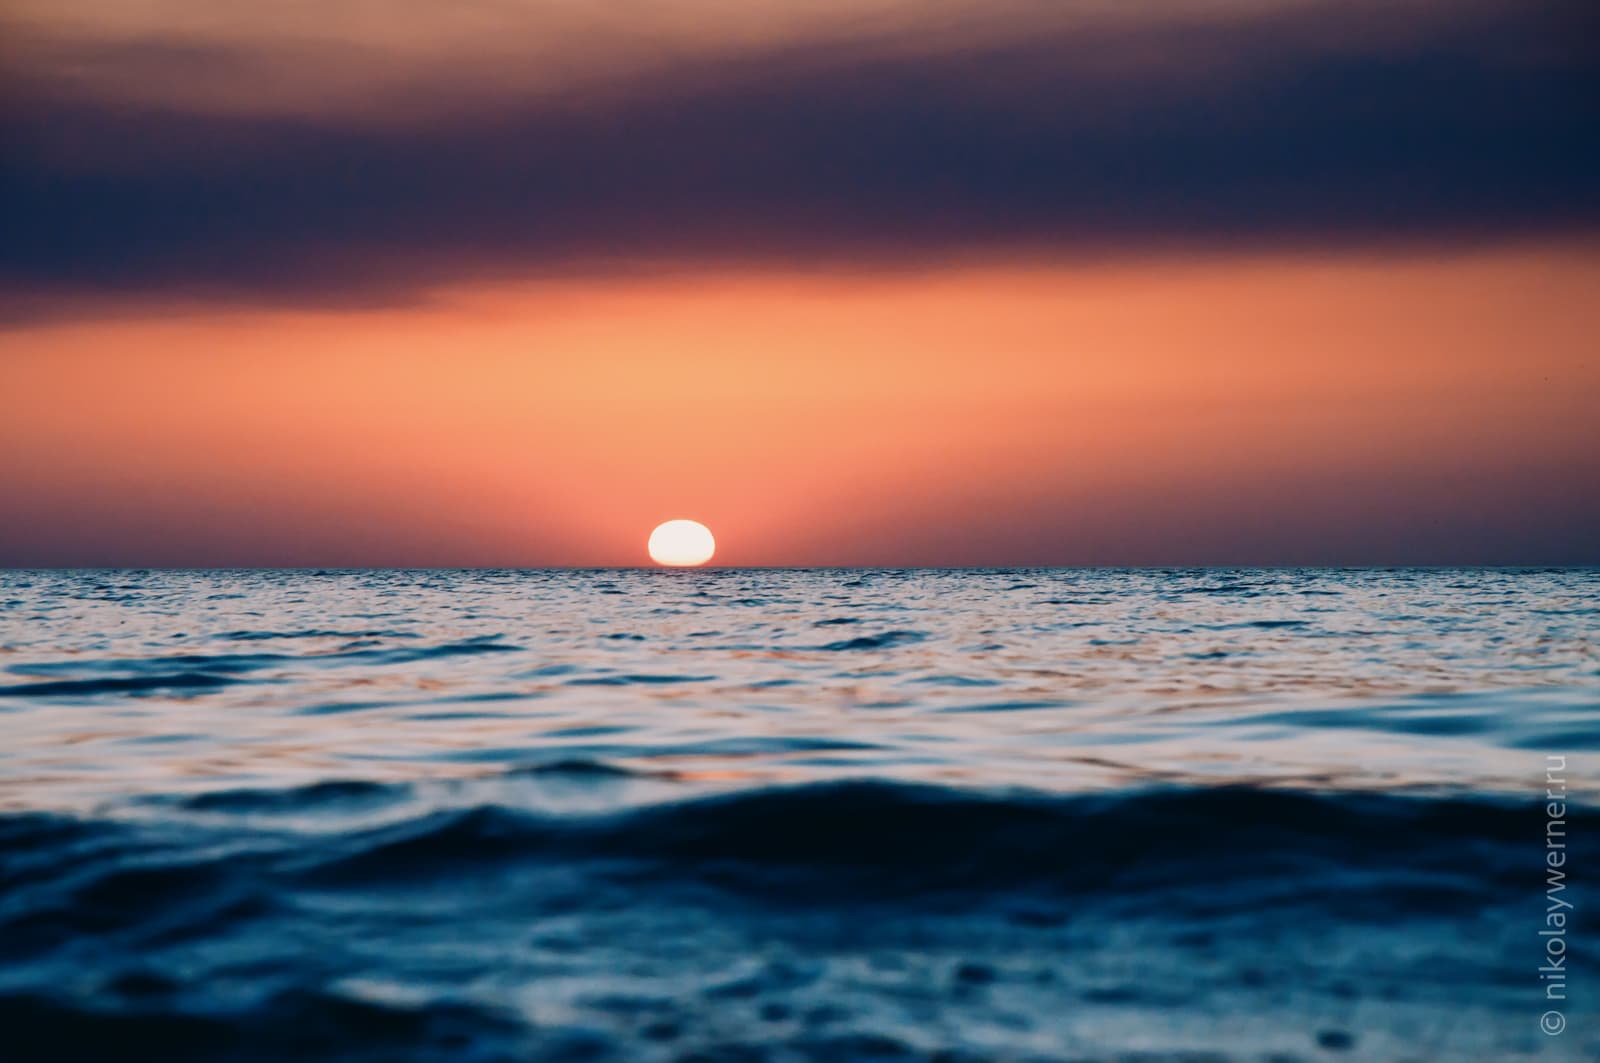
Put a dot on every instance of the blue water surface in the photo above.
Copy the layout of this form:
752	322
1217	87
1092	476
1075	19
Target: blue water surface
793	814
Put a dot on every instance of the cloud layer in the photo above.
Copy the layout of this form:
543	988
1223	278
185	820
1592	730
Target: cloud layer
1308	128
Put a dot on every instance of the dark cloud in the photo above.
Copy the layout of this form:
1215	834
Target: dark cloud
1315	128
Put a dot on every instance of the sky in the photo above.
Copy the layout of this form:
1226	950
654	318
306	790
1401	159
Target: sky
509	282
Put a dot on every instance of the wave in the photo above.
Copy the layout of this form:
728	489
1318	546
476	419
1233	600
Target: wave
883	641
202	672
255	635
637	679
312	797
134	684
860	840
863	840
283	1026
349	919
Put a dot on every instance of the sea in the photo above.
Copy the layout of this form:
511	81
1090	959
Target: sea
800	815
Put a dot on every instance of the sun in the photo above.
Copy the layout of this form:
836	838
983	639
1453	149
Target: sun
682	544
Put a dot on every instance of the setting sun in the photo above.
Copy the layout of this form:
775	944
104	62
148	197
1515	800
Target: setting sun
681	544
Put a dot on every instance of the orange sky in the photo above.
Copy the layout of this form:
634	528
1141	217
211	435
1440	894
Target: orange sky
1220	410
351	282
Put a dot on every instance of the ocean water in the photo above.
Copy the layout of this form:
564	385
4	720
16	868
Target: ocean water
795	815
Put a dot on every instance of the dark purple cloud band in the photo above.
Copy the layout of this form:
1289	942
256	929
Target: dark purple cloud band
1218	136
